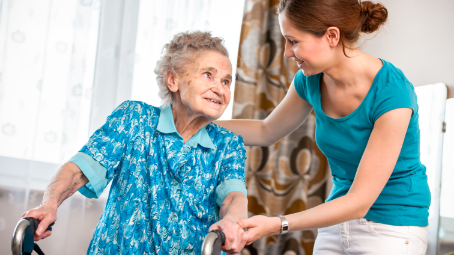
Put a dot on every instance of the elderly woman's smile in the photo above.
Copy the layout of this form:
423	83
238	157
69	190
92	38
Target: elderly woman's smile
203	90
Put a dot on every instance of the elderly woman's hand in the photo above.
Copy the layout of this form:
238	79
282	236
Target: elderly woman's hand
234	240
68	179
47	215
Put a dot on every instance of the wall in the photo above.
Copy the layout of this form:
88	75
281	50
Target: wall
418	39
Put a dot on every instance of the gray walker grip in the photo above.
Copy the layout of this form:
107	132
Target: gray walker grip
22	242
213	243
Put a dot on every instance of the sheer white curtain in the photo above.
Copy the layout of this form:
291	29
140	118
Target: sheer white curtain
47	59
64	66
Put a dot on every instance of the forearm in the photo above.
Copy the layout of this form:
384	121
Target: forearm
340	210
283	120
252	131
68	179
234	207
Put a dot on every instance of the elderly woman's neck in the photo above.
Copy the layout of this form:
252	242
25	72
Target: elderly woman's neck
186	122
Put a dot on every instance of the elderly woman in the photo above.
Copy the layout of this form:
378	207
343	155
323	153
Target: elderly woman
175	174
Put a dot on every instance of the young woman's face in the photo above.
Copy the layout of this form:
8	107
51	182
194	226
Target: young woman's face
204	88
312	54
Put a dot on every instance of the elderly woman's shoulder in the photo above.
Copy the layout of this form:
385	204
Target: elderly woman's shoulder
218	133
137	107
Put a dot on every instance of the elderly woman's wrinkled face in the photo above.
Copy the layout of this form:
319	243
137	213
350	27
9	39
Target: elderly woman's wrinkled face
204	87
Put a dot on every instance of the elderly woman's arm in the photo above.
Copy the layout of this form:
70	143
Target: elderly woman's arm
68	179
233	209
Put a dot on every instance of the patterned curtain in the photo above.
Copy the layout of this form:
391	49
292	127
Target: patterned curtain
291	175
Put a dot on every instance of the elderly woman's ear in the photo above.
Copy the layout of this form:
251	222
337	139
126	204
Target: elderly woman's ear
172	81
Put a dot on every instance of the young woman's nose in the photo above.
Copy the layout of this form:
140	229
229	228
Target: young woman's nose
288	51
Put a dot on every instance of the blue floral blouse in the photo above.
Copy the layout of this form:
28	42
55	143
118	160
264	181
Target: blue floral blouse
165	193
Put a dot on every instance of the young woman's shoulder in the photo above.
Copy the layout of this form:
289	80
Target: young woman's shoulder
390	75
392	90
307	87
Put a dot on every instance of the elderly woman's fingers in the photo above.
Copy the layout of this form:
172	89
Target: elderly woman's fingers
234	237
47	215
215	226
43	236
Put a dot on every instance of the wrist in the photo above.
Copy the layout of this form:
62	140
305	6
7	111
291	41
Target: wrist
276	225
284	225
49	204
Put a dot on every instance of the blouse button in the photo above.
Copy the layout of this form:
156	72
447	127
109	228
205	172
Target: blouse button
186	149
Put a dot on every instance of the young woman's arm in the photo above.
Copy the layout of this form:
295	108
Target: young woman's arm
374	171
288	115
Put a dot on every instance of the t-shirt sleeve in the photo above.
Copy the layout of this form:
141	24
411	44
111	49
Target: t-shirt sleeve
396	94
231	176
106	146
299	81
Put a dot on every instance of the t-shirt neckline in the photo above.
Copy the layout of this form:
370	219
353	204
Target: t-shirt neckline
319	99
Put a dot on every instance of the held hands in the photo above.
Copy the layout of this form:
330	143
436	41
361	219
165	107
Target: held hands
260	226
47	215
234	235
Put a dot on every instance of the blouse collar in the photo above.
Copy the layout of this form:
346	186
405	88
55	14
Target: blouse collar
167	126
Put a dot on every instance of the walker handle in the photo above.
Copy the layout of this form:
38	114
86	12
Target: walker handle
22	242
213	242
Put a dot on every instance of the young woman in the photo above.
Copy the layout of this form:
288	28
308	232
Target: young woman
367	126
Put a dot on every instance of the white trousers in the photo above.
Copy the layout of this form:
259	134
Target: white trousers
367	237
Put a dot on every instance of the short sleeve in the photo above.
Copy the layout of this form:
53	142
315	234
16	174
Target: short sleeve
231	176
107	146
398	93
94	171
299	81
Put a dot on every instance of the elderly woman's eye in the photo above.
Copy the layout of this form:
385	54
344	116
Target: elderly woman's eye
207	75
226	82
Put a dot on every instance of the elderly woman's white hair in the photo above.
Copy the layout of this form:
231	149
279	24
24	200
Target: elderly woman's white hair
183	49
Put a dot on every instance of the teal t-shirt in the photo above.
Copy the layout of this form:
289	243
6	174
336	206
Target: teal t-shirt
405	199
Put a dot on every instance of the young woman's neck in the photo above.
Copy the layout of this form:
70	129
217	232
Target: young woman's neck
356	70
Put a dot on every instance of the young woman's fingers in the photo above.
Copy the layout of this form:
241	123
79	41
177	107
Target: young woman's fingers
245	223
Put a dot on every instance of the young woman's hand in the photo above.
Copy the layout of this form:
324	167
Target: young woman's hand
47	215
260	226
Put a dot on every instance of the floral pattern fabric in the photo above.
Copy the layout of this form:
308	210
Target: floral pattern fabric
162	199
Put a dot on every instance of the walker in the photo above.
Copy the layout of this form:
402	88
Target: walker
23	244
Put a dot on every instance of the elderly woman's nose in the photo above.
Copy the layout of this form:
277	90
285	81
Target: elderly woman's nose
218	90
218	85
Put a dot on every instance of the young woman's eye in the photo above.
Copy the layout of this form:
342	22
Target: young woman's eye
207	75
292	42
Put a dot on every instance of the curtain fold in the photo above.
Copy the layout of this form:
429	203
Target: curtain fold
290	176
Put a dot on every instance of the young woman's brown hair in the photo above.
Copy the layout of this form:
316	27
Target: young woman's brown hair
350	16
